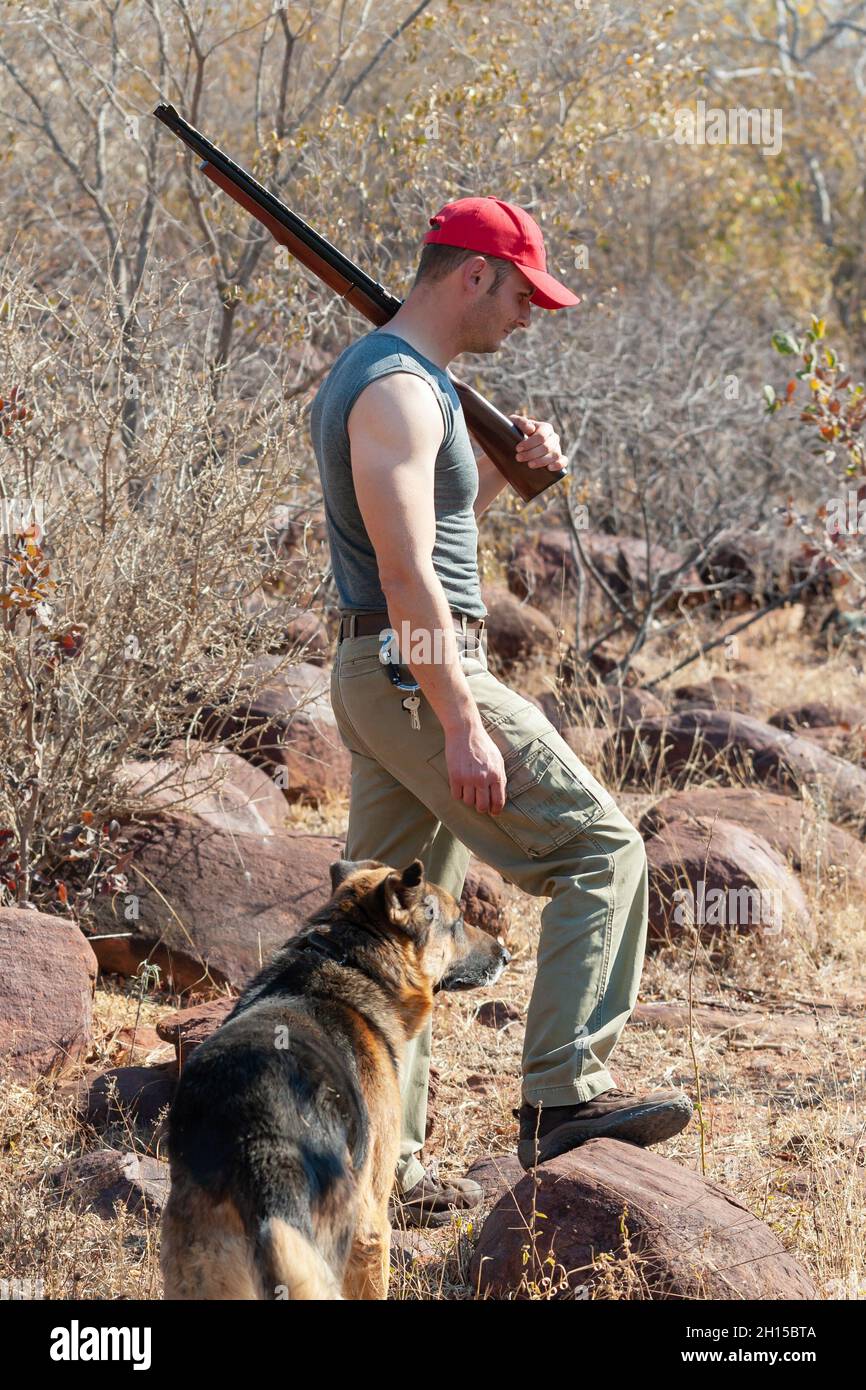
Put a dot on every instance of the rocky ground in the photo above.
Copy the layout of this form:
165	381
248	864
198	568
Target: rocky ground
766	1031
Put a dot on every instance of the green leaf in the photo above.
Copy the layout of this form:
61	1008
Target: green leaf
785	343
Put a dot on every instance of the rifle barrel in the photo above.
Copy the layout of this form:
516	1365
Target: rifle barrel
353	274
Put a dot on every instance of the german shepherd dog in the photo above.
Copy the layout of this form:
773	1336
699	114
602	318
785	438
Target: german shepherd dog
284	1132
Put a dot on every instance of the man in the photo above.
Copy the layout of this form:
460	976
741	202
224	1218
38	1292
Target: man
464	764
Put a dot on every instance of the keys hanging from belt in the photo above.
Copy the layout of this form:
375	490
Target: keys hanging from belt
412	701
412	704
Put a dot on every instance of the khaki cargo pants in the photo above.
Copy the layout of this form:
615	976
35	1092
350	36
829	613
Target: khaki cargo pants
560	835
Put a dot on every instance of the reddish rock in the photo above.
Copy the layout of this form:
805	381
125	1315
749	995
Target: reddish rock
496	1175
497	1013
710	1021
814	848
188	1028
287	727
580	705
583	707
732	746
627	706
485	897
841	741
588	744
749	566
720	876
47	976
99	1181
245	799
543	565
220	903
817	714
409	1250
605	661
136	1095
687	1237
720	692
518	632
622	561
141	1045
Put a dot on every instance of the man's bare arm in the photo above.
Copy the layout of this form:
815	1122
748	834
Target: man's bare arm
395	431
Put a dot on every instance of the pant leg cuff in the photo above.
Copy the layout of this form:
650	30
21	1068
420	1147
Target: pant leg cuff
586	1089
408	1173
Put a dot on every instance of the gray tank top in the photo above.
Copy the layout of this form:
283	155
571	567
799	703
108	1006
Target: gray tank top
353	559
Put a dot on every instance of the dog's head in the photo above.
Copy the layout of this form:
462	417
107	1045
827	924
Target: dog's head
426	920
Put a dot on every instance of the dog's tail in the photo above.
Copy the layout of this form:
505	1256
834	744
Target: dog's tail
289	1266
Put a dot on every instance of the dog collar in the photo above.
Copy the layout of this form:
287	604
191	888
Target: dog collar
322	944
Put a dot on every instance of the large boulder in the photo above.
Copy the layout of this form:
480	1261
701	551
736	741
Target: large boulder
818	714
601	705
543	566
209	906
667	1233
817	849
211	783
127	1095
733	747
517	631
719	692
719	876
496	1174
588	744
286	727
841	741
744	567
47	977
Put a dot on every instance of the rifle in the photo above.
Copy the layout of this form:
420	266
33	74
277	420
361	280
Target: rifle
496	434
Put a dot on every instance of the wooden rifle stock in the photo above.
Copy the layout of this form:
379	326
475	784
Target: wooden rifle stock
495	433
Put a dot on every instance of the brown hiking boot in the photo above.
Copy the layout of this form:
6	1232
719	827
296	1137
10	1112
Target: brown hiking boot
432	1202
636	1119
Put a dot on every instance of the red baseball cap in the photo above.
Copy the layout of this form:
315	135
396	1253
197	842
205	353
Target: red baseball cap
493	228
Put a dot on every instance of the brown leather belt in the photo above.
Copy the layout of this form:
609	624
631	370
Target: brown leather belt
362	624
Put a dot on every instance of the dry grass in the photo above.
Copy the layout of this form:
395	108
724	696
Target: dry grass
781	1126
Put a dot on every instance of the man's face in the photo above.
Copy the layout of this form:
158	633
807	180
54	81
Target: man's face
489	318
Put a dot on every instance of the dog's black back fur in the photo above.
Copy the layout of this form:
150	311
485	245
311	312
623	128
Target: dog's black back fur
242	1102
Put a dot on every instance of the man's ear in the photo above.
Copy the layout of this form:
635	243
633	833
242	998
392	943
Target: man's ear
343	867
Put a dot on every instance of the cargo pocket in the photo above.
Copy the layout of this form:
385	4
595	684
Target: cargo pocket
546	800
549	796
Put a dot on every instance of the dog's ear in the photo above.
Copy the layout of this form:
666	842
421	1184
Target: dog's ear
343	867
401	892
